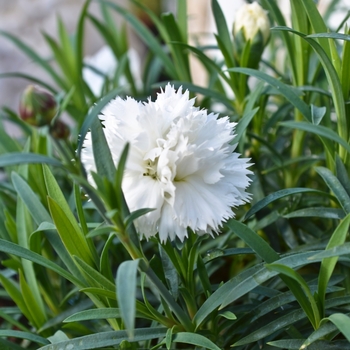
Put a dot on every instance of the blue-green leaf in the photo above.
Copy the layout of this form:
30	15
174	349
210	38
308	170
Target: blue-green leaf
126	293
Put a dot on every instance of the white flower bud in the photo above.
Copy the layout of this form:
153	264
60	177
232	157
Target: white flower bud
252	18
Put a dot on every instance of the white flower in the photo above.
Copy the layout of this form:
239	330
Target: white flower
180	162
252	18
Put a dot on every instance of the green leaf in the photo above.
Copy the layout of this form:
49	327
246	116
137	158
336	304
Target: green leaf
31	78
61	210
333	80
136	214
105	262
79	47
146	36
13	290
232	290
317	113
287	91
253	240
126	293
228	315
243	124
104	339
327	213
342	174
24	335
330	36
206	61
180	57
31	200
170	272
246	281
118	179
93	113
342	322
29	284
307	301
57	337
317	24
194	339
35	57
37	315
121	202
14	249
181	14
101	231
328	264
275	196
102	154
12	321
94	314
296	344
336	187
277	324
325	329
15	158
69	232
319	130
101	292
167	297
80	210
221	25
337	251
94	276
277	15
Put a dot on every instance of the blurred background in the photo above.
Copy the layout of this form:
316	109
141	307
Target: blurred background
29	19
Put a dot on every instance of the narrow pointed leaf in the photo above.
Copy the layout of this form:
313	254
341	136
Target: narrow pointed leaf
31	200
26	158
287	91
70	233
93	113
104	339
126	293
194	339
24	335
14	249
336	187
342	322
275	196
102	154
319	130
328	264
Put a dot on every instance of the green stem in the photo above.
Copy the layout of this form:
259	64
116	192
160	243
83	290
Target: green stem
168	298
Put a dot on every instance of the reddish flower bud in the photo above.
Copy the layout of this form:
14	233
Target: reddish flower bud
59	130
37	106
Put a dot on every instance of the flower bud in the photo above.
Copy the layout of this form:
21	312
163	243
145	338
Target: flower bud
154	6
37	106
59	130
252	24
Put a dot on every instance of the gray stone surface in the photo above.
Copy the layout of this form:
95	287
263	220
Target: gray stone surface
27	19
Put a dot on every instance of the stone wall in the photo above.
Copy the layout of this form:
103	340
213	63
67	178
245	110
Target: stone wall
27	19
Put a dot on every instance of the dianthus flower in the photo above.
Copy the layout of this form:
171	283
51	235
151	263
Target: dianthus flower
181	163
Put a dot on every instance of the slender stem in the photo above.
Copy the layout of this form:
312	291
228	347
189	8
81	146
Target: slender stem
168	298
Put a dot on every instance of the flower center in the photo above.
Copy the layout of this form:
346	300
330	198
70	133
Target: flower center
151	168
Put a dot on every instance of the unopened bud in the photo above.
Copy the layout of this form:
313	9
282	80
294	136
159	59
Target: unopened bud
252	24
154	6
59	130
37	106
